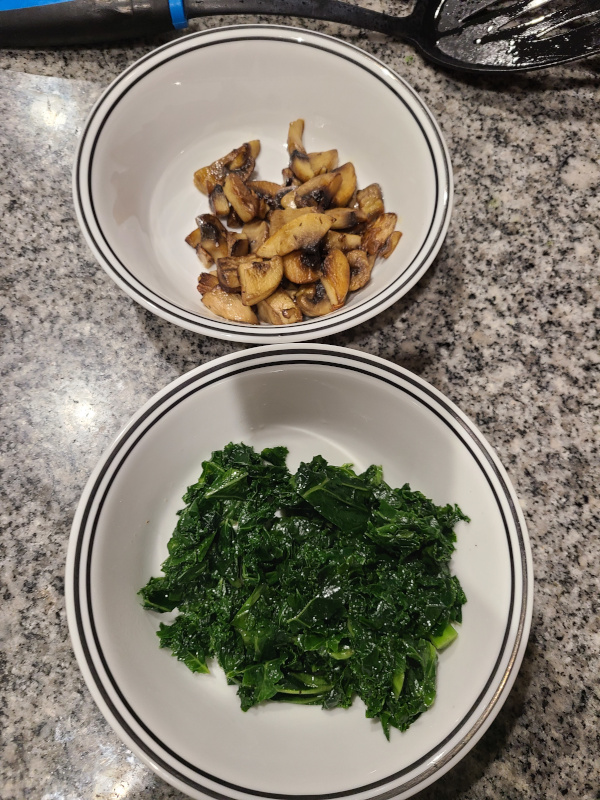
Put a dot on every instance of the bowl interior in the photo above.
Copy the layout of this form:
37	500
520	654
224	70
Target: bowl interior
197	105
346	417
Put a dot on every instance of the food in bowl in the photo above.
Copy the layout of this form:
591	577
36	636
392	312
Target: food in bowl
300	247
311	587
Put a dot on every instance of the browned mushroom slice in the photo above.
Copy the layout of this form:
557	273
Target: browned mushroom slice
194	238
347	187
259	278
370	200
318	191
228	306
279	309
304	231
289	179
298	269
205	257
360	268
295	134
336	277
227	273
257	233
269	191
241	160
345	217
233	221
323	162
312	300
237	244
206	178
288	200
378	232
389	247
249	150
300	166
242	199
342	240
207	281
280	216
213	235
219	204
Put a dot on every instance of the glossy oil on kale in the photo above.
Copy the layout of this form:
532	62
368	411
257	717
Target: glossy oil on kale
311	588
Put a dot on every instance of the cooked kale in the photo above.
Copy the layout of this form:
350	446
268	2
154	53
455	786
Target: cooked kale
313	587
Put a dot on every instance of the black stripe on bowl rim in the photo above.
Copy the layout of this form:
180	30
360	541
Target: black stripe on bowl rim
223	369
346	317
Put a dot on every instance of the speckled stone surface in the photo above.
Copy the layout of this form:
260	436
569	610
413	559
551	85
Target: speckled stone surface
505	323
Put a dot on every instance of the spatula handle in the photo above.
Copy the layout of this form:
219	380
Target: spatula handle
329	10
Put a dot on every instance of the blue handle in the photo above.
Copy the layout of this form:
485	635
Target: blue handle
13	5
33	23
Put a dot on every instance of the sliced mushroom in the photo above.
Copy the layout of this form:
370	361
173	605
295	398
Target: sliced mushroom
242	160
318	191
370	200
378	232
207	281
279	309
259	278
269	191
304	231
219	204
194	238
297	270
336	277
301	166
213	235
389	247
237	244
295	134
313	301
280	216
347	187
243	200
342	240
288	200
324	161
345	217
257	233
360	268
289	179
233	221
206	178
205	257
227	273
228	306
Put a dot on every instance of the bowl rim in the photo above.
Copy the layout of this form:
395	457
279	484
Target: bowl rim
465	735
306	330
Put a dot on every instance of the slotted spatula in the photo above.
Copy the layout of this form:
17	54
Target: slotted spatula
470	35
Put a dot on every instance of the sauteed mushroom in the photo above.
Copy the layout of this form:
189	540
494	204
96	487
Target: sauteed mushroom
304	244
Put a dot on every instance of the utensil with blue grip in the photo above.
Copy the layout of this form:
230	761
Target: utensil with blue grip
469	35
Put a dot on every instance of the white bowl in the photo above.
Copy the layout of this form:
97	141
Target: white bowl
191	101
349	407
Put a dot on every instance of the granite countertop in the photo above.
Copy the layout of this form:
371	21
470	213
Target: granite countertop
505	324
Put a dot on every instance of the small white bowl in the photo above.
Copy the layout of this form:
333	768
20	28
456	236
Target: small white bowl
349	407
192	101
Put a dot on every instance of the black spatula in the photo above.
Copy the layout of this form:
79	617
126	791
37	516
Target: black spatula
470	35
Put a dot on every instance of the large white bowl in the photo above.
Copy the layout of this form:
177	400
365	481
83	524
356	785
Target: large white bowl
349	407
192	101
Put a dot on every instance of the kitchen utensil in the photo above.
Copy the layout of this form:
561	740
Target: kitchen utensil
470	35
